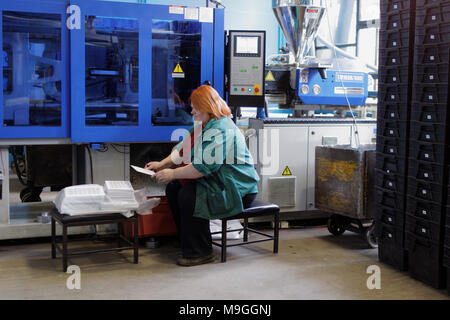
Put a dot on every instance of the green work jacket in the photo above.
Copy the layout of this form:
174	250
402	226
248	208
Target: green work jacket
221	155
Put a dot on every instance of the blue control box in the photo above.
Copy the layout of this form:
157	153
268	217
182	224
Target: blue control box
334	89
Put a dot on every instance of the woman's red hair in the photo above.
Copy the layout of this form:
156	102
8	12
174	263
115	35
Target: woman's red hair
206	99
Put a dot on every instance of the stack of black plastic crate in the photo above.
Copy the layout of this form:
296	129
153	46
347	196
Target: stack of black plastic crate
428	145
397	22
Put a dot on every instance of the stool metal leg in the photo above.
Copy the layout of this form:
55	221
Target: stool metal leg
245	229
224	240
119	233
276	232
64	248
53	238
136	239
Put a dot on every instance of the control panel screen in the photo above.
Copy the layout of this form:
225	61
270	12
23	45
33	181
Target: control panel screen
247	46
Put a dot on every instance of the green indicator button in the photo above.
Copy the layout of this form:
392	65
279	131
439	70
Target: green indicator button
244	70
235	89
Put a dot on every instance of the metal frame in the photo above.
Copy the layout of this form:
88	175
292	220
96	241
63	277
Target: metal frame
44	6
56	217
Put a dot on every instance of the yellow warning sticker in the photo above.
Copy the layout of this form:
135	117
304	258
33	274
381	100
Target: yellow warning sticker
178	72
178	69
287	172
270	77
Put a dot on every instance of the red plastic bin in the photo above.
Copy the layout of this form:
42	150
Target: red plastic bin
159	223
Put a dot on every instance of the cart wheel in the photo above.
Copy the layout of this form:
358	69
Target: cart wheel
371	237
334	226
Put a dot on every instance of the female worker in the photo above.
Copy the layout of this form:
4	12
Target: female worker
215	177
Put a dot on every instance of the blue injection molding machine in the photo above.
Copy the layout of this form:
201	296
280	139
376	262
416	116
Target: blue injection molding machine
100	71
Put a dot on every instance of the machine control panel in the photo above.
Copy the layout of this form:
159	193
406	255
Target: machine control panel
246	68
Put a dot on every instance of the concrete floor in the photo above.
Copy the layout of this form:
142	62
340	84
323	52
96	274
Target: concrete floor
311	264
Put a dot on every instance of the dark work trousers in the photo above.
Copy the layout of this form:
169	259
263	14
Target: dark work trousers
194	234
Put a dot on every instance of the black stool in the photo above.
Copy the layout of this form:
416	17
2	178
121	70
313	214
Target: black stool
257	209
67	221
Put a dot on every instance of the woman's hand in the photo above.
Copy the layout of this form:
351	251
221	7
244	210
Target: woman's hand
165	175
154	166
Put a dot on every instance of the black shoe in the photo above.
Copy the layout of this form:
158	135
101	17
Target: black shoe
189	262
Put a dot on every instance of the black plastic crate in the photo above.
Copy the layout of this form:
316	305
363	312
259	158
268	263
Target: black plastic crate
428	191
448	277
390	181
448	196
428	132
392	255
432	54
391	164
393	111
424	209
429	112
388	6
395	39
390	234
394	57
426	171
394	75
438	13
434	73
431	152
396	20
390	216
425	262
423	3
393	93
431	93
390	199
432	34
447	236
447	253
393	129
424	229
392	146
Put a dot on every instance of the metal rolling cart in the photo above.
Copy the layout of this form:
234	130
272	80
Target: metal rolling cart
345	189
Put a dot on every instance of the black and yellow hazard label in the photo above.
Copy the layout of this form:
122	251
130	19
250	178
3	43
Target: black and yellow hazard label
270	77
178	69
287	172
178	72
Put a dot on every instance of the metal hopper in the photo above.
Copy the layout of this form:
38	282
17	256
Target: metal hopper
300	21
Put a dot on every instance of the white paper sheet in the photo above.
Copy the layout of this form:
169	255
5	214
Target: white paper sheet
118	185
191	13
206	15
176	9
142	170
